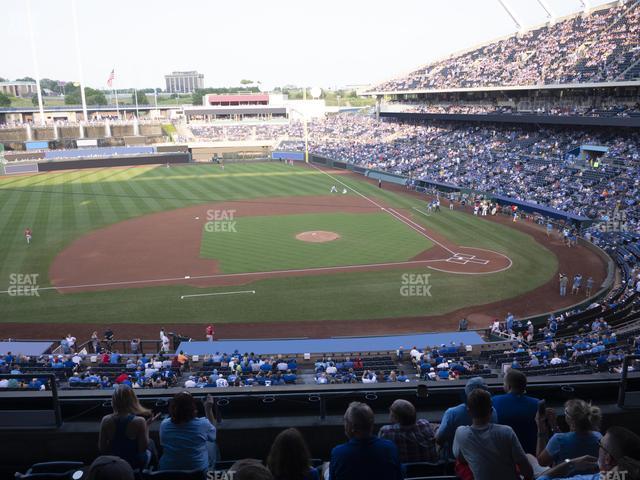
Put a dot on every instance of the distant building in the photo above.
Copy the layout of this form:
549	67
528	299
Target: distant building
257	107
184	82
18	89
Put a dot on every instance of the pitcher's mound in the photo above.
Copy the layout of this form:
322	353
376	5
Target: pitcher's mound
317	236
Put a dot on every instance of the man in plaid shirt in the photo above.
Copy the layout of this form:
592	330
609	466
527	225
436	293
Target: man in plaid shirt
415	439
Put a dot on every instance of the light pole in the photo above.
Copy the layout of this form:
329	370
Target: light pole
306	129
135	95
35	62
512	14
74	15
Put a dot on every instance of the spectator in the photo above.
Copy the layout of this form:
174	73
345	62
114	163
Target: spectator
166	343
463	324
108	467
289	457
188	441
125	432
492	451
458	416
135	346
413	438
364	456
249	469
109	336
582	439
517	410
619	451
95	342
71	342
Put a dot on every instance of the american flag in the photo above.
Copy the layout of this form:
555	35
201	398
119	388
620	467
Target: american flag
112	75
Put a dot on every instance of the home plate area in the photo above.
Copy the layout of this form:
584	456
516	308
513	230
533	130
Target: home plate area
464	258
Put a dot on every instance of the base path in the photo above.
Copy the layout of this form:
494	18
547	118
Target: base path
164	248
544	298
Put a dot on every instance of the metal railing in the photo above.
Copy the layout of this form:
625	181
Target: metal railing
624	379
53	388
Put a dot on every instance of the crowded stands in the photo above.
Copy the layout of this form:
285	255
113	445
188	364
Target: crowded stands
597	47
531	165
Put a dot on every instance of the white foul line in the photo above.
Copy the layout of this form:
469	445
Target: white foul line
239	292
414	223
398	216
240	274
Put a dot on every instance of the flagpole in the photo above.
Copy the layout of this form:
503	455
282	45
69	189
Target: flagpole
115	90
80	73
35	62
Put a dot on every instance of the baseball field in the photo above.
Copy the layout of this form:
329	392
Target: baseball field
263	248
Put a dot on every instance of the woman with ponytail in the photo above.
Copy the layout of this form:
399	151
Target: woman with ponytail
583	420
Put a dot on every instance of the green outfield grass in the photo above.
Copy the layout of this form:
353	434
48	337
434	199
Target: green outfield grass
61	206
365	238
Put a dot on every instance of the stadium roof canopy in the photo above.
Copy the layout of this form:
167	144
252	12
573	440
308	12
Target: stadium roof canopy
555	86
541	209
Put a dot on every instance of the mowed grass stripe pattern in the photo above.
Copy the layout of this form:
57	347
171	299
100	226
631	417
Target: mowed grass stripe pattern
61	206
267	243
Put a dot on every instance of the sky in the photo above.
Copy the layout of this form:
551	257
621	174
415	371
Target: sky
327	43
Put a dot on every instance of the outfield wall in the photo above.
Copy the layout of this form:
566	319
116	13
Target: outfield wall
119	161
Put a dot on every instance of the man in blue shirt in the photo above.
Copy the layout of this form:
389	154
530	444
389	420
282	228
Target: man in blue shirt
517	410
364	456
509	322
34	384
289	377
459	416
